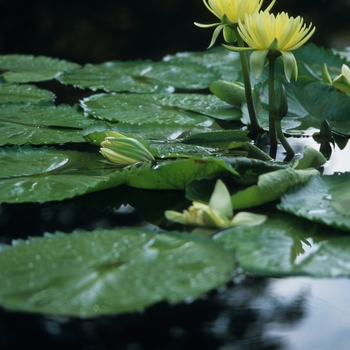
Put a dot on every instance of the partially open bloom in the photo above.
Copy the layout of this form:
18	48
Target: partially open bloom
266	34
230	12
341	81
123	151
218	213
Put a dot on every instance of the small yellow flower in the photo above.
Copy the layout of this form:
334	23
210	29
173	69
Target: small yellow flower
218	213
341	81
230	12
266	34
234	9
123	151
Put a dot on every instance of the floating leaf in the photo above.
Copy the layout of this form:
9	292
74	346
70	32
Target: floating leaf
88	274
36	175
324	199
286	245
226	63
191	109
24	94
141	76
41	124
177	174
217	138
152	131
271	187
27	68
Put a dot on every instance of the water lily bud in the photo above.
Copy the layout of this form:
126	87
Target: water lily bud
123	151
342	81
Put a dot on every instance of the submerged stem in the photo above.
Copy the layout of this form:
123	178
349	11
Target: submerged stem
247	86
282	138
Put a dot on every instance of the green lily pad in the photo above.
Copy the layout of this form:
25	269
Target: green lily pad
27	68
141	76
286	245
175	175
310	102
24	94
41	124
226	63
46	174
324	199
191	109
88	274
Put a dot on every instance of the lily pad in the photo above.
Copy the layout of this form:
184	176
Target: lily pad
141	76
226	63
192	109
324	199
24	94
36	175
88	274
41	124
175	175
27	68
310	102
286	245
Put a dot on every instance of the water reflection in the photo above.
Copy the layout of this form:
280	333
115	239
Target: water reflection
251	313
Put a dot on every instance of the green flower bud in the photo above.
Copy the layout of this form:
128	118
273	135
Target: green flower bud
123	151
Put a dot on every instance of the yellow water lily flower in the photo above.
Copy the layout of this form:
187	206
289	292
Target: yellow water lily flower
341	81
230	12
123	151
234	9
265	33
218	213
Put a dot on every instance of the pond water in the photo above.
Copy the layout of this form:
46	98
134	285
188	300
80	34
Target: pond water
249	313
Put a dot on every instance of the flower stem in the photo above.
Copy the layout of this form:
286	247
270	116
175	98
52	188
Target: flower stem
282	138
272	129
247	86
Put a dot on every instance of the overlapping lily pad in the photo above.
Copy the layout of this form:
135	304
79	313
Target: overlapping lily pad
181	109
88	274
36	175
325	199
13	93
41	124
28	68
285	245
141	76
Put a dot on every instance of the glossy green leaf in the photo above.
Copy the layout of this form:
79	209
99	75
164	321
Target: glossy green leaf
27	68
217	138
46	174
310	102
152	131
24	94
88	274
324	199
226	63
286	245
41	124
271	187
175	175
192	109
141	76
311	58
